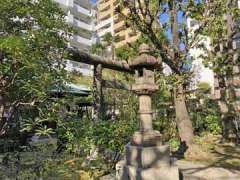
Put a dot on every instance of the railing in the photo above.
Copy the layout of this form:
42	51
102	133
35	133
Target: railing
104	23
83	25
82	10
83	40
105	31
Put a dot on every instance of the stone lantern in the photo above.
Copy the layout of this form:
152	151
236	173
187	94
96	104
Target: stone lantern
147	158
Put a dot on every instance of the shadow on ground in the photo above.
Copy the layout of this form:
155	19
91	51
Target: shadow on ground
223	164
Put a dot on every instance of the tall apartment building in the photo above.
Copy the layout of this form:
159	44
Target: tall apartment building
105	14
82	16
108	21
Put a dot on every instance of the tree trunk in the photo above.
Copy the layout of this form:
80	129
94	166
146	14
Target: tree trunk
183	121
98	93
2	109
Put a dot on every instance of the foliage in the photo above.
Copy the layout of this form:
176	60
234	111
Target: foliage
204	88
204	112
164	105
165	24
82	80
69	157
162	24
206	116
174	144
107	138
98	49
222	31
108	39
224	58
32	46
29	162
131	50
108	134
101	48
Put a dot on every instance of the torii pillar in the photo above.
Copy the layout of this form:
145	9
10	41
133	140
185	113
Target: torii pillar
98	110
147	158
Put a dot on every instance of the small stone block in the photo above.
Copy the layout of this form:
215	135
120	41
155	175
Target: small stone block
147	138
164	173
148	157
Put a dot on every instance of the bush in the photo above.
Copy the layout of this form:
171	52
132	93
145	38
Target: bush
206	117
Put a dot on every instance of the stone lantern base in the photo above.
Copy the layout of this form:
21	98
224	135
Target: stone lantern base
147	159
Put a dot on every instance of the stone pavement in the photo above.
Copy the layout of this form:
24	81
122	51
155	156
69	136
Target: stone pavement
198	171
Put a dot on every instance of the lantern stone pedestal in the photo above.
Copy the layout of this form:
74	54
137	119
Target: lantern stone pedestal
147	158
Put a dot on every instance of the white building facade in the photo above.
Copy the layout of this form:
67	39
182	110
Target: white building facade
201	74
81	14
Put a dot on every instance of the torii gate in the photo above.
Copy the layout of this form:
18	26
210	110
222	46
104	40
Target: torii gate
147	158
98	83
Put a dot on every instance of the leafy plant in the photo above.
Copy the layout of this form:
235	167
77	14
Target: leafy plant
32	48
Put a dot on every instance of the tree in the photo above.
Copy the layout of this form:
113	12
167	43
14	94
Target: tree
32	46
223	58
144	16
164	23
130	50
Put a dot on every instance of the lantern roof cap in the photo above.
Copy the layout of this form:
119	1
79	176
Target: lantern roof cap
145	59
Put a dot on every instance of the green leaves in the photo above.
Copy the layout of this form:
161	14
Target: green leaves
44	131
98	49
33	40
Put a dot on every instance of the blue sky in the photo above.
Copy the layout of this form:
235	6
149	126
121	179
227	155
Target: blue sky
94	1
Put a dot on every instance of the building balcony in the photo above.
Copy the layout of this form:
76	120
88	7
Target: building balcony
107	22
83	25
104	6
115	3
74	66
120	28
119	25
64	2
125	37
119	38
104	15
103	3
83	3
117	19
84	33
82	10
105	31
82	40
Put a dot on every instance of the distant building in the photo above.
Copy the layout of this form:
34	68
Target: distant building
81	14
201	74
108	21
105	17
